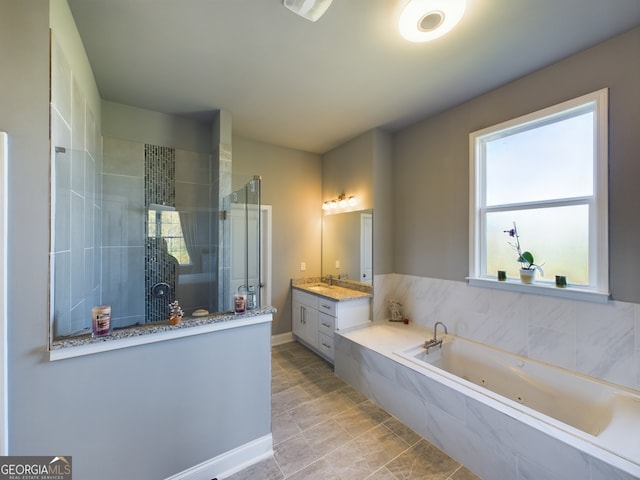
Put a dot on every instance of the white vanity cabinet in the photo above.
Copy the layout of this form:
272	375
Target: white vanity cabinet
304	317
315	318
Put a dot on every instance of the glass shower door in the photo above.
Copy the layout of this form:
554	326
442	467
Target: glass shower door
243	258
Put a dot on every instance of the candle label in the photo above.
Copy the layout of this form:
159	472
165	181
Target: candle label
240	302
101	320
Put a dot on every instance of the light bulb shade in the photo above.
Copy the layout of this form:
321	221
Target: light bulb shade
424	20
342	202
312	10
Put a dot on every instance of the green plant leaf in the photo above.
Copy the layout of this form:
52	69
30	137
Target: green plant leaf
526	257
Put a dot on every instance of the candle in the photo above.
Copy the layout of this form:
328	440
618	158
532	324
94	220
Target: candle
561	281
101	321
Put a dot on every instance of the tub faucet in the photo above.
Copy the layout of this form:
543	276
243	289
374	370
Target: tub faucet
434	342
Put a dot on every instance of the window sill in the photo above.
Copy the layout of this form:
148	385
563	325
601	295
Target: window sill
134	336
570	293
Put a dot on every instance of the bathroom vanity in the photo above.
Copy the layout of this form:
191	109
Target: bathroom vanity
319	309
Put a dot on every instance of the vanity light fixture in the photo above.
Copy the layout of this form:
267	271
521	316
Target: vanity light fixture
340	203
425	20
312	10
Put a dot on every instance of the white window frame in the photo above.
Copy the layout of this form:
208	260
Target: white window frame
598	290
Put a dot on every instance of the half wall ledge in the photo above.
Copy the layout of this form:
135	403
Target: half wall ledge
145	334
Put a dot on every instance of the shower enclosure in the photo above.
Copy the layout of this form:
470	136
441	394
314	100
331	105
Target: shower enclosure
143	226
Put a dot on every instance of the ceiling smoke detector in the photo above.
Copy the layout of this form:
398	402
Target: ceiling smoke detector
424	20
312	10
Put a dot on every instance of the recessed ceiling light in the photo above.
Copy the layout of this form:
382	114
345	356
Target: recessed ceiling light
310	9
424	20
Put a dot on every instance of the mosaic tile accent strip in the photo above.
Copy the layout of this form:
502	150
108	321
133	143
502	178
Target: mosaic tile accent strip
159	175
160	267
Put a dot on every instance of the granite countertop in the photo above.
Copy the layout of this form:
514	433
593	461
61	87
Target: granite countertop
158	327
332	292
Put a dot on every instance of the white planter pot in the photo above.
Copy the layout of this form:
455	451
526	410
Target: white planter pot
527	276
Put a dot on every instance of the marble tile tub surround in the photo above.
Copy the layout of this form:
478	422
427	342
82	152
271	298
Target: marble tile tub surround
488	441
599	340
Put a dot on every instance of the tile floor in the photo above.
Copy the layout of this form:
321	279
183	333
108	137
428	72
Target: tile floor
325	429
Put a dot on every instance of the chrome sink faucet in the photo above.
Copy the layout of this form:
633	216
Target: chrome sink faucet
434	342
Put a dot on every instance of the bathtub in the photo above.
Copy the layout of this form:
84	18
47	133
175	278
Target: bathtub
599	413
535	405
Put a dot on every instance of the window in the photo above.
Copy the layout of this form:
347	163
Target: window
166	224
546	171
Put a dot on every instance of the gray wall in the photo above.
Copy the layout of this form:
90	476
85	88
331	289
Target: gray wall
349	169
383	224
153	410
431	164
363	167
291	184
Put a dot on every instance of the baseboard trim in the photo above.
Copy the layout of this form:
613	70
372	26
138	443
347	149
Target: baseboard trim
230	462
282	338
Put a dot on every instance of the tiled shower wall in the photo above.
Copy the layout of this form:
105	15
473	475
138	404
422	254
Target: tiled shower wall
98	214
196	199
126	288
599	340
76	206
123	231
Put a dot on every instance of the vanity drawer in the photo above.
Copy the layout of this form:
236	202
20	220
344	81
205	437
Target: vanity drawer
327	306
326	323
325	344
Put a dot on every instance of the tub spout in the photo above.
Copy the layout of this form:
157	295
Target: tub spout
434	342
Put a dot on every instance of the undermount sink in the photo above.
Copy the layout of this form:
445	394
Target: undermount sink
319	288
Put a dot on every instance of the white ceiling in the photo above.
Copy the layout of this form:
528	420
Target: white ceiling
312	86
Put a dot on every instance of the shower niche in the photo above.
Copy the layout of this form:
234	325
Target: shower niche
142	226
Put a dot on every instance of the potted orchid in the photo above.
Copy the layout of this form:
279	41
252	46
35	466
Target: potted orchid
527	266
